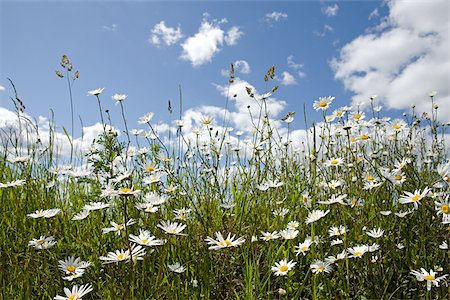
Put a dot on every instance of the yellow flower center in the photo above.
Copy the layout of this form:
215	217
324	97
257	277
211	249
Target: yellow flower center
445	208
415	198
119	226
354	139
121	256
149	169
398	177
357	254
334	162
40	242
71	268
269	236
228	243
370	178
173	231
320	268
339	113
323	104
125	190
364	137
182	216
73	297
396	126
357	116
144	241
429	277
304	248
284	268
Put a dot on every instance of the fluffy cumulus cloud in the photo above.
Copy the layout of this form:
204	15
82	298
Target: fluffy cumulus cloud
287	79
161	33
242	67
2	88
405	59
326	28
296	66
331	10
275	16
208	41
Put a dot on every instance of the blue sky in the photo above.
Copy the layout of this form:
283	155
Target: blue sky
326	48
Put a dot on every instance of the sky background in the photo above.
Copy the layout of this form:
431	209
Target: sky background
397	50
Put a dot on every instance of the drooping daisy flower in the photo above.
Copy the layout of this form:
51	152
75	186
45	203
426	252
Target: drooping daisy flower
267	236
443	246
81	215
402	214
430	277
172	227
177	268
358	251
76	293
303	247
336	231
334	259
336	242
316	215
73	265
137	251
375	233
117	227
339	199
288	234
319	266
146	239
283	267
413	197
119	97
48	213
221	243
95	92
42	242
145	118
95	206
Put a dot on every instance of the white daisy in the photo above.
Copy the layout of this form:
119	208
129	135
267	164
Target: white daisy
283	267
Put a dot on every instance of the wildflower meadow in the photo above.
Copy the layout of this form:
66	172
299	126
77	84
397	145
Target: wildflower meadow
358	209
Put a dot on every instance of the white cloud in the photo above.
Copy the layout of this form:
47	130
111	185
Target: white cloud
287	79
111	28
374	14
242	66
295	66
2	88
405	61
206	43
164	34
275	16
325	30
233	35
331	10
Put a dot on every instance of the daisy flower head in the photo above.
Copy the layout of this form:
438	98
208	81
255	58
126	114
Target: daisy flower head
42	242
76	293
48	213
118	227
177	268
172	227
430	277
357	116
336	231
267	236
221	243
137	252
443	208
282	267
81	215
293	225
128	192
145	118
95	206
323	103
443	245
413	197
73	265
95	92
146	239
319	266
303	247
334	162
316	215
358	251
119	97
375	233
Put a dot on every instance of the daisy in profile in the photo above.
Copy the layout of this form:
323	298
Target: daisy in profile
42	242
430	277
118	227
172	227
127	192
334	162
95	206
76	293
73	265
146	239
177	268
137	252
268	236
48	213
288	234
316	215
319	266
339	199
221	243
81	215
375	233
323	103
336	231
283	267
413	197
358	251
95	92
